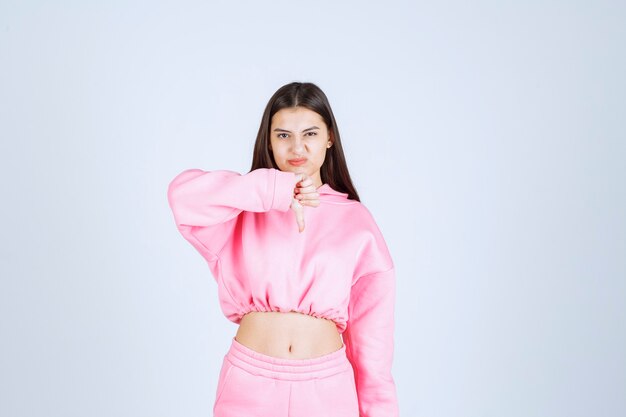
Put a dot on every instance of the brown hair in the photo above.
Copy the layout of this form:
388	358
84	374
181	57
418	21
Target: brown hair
334	170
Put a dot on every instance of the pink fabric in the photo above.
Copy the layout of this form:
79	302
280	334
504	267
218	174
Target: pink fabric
254	384
339	268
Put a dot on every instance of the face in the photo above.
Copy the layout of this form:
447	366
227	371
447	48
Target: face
298	140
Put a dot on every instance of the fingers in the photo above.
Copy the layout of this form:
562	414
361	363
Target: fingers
309	199
306	193
300	178
306	181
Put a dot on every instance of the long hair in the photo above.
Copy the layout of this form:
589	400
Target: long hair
334	170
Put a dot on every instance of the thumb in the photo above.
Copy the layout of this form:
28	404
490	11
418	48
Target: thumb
299	210
300	177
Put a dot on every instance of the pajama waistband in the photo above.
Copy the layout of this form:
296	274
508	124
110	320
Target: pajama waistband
287	368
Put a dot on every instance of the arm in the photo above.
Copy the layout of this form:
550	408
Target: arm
369	340
206	204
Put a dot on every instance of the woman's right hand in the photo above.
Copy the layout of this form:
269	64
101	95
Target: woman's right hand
305	194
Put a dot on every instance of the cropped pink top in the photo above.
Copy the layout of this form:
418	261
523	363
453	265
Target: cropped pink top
338	268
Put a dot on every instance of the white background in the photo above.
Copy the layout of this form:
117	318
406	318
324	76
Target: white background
486	138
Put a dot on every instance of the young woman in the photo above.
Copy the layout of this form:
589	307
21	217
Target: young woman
300	265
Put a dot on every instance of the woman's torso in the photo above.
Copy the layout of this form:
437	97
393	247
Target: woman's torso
324	262
243	227
288	335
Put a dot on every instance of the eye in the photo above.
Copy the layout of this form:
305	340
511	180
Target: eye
280	135
312	133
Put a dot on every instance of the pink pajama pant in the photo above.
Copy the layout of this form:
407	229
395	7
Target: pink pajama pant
252	384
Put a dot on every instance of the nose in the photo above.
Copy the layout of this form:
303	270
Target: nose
298	145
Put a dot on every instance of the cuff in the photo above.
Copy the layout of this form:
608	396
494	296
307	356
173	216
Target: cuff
284	183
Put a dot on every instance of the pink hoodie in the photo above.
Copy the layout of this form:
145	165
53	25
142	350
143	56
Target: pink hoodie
338	268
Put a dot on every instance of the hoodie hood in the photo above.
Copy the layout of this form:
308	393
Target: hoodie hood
327	193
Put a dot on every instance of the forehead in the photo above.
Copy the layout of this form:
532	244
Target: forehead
297	117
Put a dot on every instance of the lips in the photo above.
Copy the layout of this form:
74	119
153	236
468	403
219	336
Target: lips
298	161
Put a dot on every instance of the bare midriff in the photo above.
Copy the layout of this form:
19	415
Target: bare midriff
288	335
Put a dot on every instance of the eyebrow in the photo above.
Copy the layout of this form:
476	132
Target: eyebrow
305	130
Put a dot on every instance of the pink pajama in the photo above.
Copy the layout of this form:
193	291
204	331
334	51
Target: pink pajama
238	222
252	384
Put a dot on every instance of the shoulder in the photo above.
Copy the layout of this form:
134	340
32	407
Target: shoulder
374	253
362	217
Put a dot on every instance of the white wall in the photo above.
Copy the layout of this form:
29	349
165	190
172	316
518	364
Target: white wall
487	139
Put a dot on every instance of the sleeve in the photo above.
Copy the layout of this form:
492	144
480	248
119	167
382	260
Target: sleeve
206	204
369	340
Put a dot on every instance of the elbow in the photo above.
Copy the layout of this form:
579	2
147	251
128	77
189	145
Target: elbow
175	188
